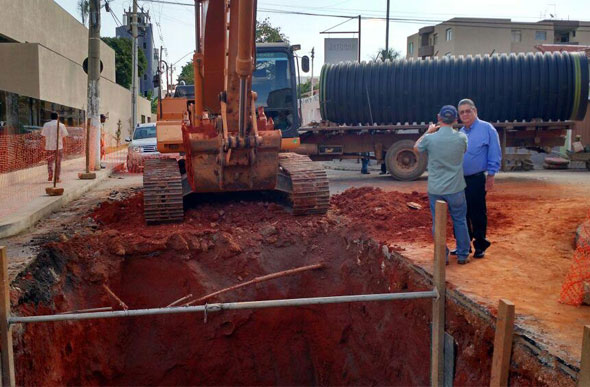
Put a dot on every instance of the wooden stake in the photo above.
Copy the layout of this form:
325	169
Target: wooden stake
110	292
437	361
257	280
8	378
180	300
502	344
584	374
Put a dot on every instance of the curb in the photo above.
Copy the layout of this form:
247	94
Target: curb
43	206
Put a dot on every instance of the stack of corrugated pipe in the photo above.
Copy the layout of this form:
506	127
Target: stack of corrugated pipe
505	87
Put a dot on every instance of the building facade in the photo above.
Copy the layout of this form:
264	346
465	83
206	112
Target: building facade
472	36
145	43
42	48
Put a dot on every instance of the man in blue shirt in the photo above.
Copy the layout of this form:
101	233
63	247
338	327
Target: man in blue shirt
483	155
445	148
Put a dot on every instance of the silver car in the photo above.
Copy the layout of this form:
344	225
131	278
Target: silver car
142	146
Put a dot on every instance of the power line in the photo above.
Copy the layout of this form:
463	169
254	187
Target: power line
467	22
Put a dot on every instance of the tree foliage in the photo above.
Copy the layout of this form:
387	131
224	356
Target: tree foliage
303	89
187	74
123	48
266	33
384	54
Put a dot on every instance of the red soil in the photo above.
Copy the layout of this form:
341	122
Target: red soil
222	244
388	218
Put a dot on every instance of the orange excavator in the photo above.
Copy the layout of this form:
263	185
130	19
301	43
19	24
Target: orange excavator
226	142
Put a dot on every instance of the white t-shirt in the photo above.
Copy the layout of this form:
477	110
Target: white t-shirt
49	131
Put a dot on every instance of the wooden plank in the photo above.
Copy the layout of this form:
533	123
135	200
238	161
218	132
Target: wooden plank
584	374
5	330
449	360
502	344
438	304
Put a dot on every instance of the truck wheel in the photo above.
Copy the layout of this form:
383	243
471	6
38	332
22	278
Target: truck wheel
588	165
403	163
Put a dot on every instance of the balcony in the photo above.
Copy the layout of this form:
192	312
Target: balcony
426	51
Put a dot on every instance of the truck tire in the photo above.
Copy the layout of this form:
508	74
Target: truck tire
403	163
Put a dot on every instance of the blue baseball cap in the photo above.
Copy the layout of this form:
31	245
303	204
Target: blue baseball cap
448	112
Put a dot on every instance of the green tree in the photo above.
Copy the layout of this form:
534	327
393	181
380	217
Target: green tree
187	74
154	101
123	48
303	89
266	33
384	54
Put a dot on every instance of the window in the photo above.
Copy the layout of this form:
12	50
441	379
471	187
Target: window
145	77
145	132
449	34
540	35
272	80
435	38
516	36
144	46
142	119
411	48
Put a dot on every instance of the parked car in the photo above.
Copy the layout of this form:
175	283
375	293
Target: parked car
142	146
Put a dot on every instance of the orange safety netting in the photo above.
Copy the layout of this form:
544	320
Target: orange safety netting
21	151
573	288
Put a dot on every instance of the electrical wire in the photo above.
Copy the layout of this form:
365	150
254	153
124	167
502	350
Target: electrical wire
459	22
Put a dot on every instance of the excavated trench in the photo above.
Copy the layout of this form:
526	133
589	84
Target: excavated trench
221	244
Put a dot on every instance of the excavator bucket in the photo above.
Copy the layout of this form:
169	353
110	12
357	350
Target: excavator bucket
215	167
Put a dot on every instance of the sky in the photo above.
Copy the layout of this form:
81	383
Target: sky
174	24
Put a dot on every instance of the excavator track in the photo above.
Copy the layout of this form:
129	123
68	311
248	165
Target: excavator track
162	192
306	183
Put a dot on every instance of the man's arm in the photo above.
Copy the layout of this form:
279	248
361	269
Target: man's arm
419	146
464	137
494	157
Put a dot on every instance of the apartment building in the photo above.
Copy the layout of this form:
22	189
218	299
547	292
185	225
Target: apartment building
145	42
471	36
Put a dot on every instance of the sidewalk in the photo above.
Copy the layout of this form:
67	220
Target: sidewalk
25	202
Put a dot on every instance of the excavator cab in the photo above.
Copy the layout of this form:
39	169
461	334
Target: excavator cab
233	138
275	82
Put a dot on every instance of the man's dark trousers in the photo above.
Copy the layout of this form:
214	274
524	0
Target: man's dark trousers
477	219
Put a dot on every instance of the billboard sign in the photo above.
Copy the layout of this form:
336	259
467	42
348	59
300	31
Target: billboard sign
338	50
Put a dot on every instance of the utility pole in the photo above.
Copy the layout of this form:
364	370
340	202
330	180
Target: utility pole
387	29
359	38
160	83
93	116
134	35
312	56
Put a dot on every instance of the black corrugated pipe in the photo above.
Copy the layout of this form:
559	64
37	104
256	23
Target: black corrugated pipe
506	87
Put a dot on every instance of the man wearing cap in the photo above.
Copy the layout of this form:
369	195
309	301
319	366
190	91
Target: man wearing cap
483	155
445	148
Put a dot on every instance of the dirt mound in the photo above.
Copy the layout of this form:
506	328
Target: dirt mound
386	215
389	217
